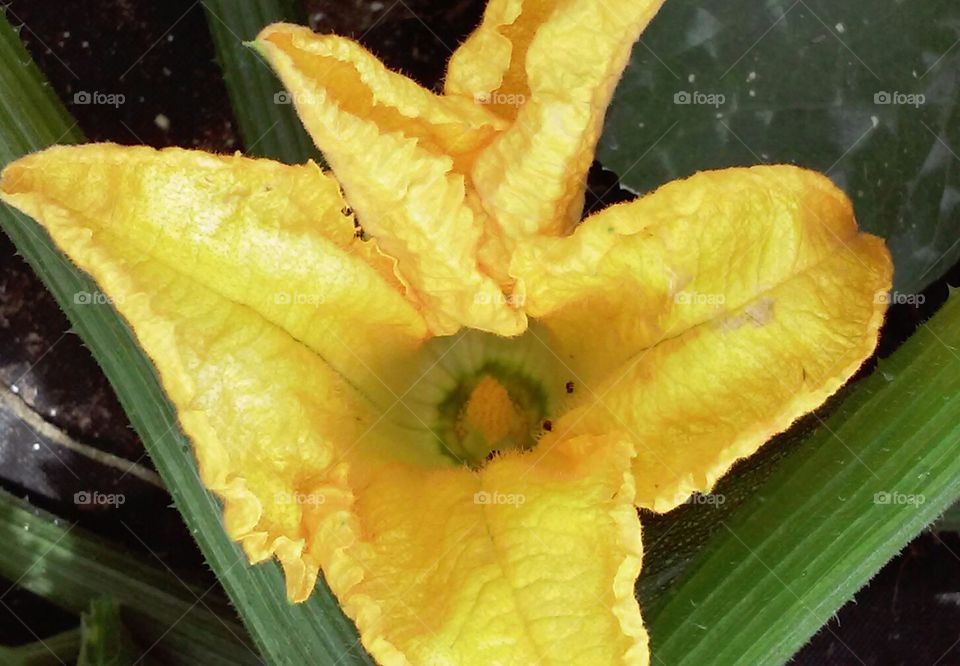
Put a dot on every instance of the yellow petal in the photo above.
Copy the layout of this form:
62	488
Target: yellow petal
269	236
530	560
708	316
397	148
339	71
552	68
259	407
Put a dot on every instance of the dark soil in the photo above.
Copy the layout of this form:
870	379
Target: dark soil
160	57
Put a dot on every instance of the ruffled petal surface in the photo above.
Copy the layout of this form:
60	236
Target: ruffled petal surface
530	560
271	237
400	153
267	417
551	68
708	316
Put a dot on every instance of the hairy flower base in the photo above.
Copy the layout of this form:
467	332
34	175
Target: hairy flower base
477	395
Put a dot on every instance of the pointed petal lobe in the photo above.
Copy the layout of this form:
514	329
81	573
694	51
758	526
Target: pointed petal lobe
531	560
269	236
397	148
708	316
552	68
263	412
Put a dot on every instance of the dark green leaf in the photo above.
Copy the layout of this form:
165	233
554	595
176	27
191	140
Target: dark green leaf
805	81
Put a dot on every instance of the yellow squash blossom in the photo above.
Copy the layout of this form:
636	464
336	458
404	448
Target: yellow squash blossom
436	385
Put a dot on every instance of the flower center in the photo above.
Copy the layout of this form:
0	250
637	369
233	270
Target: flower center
493	420
490	411
475	395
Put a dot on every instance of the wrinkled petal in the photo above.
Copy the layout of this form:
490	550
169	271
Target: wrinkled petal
530	560
265	235
261	409
396	149
708	316
551	67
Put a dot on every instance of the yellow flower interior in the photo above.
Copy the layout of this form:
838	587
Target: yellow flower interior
475	395
491	417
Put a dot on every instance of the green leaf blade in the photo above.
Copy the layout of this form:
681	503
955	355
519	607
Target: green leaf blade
266	117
